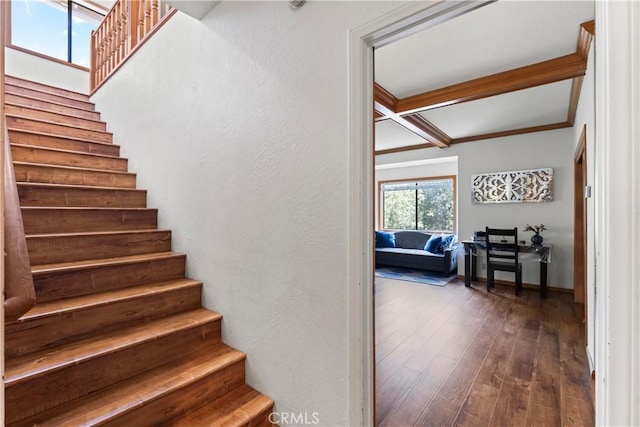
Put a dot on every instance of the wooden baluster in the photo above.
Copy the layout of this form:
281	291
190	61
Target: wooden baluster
124	32
154	13
148	25
117	30
140	21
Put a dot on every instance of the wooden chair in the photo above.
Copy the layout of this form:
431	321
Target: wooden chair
502	255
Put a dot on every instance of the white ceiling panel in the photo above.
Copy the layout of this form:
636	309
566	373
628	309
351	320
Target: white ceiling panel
389	135
498	37
531	107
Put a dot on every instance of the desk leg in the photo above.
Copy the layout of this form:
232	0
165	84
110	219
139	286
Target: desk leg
474	269
467	265
543	279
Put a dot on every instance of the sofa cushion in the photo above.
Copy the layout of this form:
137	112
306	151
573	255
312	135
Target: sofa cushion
385	240
420	252
446	241
411	239
433	245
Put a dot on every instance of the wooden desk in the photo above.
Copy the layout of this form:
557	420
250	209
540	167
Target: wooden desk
471	248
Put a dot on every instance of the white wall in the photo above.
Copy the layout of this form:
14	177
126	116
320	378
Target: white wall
237	124
586	115
531	151
445	168
31	67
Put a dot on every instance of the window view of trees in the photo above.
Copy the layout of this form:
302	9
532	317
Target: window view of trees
427	204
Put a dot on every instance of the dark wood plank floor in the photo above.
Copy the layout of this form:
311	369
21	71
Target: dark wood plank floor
456	356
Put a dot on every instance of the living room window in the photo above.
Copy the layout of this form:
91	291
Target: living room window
419	204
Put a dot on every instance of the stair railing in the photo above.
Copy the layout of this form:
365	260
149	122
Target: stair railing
124	29
20	294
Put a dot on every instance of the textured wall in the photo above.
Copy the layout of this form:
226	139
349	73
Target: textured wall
536	150
237	125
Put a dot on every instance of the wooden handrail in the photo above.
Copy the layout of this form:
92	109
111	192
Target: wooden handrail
125	28
20	294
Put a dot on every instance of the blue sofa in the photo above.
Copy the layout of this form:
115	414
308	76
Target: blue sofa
407	249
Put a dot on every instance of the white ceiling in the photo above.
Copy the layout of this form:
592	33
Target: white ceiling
495	38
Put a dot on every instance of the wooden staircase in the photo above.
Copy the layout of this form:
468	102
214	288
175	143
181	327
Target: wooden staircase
118	335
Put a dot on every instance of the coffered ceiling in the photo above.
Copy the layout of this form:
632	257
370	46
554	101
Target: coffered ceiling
506	68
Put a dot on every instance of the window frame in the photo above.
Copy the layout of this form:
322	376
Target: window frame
87	4
427	178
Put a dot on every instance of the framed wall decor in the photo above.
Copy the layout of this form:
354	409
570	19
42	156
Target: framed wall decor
524	186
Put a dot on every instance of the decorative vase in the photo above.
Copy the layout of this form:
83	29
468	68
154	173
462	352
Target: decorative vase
536	239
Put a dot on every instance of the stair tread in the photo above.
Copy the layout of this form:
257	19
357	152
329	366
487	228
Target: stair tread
98	233
236	408
40	363
74	168
101	262
30	107
49	122
29	97
53	135
139	390
59	150
75	187
44	86
59	306
85	208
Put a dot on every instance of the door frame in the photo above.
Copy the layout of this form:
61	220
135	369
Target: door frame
580	229
399	23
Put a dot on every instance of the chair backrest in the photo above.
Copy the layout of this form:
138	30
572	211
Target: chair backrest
502	244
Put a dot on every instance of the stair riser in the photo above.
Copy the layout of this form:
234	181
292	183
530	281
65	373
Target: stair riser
49	157
55	117
50	106
53	175
45	88
36	394
57	129
40	221
33	335
16	90
54	249
173	405
62	143
81	197
52	286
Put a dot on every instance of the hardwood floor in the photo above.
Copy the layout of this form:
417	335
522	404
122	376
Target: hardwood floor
459	356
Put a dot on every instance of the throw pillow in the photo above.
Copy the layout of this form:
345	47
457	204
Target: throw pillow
433	245
445	243
385	239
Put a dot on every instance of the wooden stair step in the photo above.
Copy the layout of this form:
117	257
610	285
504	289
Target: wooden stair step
38	125
153	397
243	406
68	247
82	367
41	220
43	87
57	157
71	279
46	96
28	101
34	172
61	142
56	322
54	117
39	194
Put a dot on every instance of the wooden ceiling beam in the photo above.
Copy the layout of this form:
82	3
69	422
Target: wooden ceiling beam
511	132
541	73
585	37
385	105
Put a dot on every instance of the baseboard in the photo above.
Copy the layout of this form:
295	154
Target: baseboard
592	365
531	286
